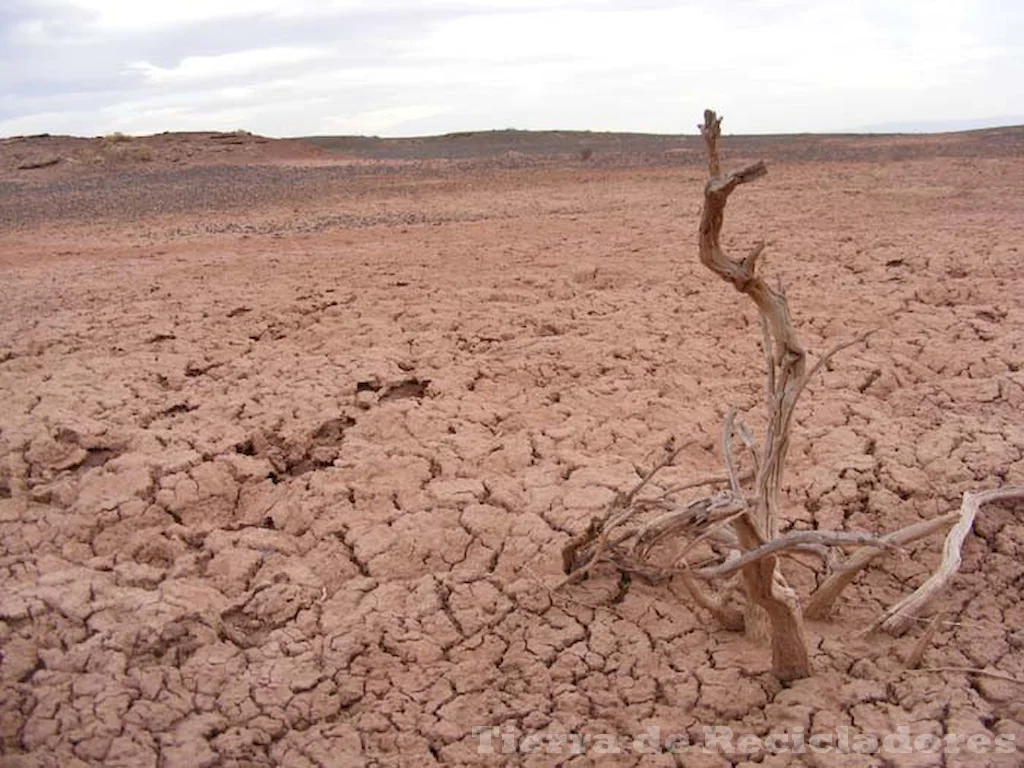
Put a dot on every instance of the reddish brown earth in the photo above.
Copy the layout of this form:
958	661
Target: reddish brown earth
291	441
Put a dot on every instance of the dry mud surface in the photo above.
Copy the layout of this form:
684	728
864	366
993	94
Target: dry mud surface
289	453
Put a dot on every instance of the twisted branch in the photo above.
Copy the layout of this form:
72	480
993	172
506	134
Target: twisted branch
787	369
899	617
747	524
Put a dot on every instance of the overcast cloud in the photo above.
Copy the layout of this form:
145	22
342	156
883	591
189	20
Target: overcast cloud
400	67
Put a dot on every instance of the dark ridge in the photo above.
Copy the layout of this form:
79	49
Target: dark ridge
813	147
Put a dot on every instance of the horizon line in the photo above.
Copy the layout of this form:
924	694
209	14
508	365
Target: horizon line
879	131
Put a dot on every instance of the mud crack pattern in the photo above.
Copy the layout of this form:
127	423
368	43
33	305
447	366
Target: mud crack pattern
275	499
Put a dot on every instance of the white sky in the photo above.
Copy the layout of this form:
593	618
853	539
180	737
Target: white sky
399	67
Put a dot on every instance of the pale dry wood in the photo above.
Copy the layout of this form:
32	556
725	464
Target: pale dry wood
825	358
729	617
719	531
916	654
788	355
769	360
789	541
900	616
755	450
596	537
821	602
730	462
972	671
720	479
697	516
767	594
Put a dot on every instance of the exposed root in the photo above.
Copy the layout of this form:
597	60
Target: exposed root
900	616
730	618
916	654
821	602
973	671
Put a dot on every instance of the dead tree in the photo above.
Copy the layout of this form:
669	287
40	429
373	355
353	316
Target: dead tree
746	522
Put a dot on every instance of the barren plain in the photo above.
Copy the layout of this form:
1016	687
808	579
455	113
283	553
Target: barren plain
292	434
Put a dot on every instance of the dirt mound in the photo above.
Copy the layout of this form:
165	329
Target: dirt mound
49	156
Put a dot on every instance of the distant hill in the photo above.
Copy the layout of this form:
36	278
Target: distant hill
646	148
50	157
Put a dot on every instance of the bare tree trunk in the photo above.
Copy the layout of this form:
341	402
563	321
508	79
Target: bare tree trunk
772	605
772	610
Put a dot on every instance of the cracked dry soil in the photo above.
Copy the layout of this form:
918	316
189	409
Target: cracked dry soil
282	482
